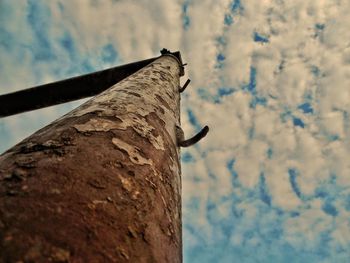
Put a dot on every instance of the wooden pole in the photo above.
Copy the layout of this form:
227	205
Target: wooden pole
102	183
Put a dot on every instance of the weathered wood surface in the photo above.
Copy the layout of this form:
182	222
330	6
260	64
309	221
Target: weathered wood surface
102	183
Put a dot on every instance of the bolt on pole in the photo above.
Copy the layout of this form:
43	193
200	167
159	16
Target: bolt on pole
102	183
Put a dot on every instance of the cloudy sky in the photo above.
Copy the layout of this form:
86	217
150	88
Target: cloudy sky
271	181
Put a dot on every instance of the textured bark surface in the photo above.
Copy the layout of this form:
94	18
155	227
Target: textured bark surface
101	184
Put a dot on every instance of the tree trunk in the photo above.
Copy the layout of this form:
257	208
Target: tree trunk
102	183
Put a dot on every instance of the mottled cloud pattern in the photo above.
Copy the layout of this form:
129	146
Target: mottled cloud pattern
271	181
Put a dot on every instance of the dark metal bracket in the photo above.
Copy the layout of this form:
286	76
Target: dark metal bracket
182	89
200	135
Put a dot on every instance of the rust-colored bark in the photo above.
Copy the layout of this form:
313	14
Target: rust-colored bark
101	184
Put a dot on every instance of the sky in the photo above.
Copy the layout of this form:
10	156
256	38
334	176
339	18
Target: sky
271	181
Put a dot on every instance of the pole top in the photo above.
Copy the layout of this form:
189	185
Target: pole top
177	55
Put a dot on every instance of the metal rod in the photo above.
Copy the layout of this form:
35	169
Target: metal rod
70	89
185	86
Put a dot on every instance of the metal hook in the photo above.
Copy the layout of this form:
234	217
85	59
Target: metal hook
185	85
194	139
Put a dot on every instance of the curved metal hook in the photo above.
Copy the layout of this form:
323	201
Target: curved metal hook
194	139
185	85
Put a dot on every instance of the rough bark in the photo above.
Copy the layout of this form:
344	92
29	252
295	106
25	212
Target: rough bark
102	183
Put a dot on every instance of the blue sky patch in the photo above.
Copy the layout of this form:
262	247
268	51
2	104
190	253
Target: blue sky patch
263	191
298	122
228	20
319	30
330	209
217	97
319	26
251	86
347	202
187	157
193	120
285	115
67	43
109	54
6	134
39	19
212	212
205	95
7	40
87	67
234	175
293	174
258	101
306	108
315	71
186	22
294	214
237	6
220	57
321	193
230	165
252	80
221	40
260	38
328	192
225	91
269	153
6	10
194	204
272	232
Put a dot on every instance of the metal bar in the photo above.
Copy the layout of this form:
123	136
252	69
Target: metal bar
70	89
185	86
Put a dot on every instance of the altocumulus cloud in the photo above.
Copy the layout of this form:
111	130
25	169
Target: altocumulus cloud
270	182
